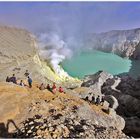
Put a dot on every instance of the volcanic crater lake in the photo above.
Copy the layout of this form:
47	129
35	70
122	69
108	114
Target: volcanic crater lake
90	62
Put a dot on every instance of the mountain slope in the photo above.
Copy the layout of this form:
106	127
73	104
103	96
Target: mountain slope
32	113
18	52
124	43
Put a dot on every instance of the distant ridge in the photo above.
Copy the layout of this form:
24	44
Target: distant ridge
124	43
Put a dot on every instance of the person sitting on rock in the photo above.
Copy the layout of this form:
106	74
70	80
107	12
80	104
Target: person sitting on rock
29	82
26	73
93	99
49	88
21	83
42	87
97	100
13	79
54	88
102	100
7	79
61	89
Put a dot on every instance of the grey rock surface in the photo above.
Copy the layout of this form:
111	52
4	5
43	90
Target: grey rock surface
127	92
124	43
95	81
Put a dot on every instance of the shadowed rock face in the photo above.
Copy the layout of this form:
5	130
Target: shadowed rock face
124	43
127	93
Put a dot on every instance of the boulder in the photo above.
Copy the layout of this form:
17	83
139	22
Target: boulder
113	103
105	105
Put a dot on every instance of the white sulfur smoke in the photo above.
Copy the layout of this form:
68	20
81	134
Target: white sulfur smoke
55	50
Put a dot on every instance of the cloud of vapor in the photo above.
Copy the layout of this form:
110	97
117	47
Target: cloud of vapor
68	24
54	50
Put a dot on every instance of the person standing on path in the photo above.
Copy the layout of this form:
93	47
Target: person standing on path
30	82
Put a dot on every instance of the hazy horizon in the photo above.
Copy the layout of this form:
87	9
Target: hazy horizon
72	17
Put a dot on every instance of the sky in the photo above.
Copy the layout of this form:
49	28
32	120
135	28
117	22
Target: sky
73	17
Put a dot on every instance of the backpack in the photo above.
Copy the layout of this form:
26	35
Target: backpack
30	80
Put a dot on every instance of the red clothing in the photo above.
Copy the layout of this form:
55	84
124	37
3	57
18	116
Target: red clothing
54	86
61	89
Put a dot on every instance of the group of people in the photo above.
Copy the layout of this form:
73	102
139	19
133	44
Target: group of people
96	101
52	88
13	79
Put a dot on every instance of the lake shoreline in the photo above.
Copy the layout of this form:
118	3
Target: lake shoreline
89	62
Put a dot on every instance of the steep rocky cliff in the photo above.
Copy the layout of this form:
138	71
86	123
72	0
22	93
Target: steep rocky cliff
127	91
124	43
123	88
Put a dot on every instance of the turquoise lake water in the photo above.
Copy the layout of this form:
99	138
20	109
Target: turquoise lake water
90	62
